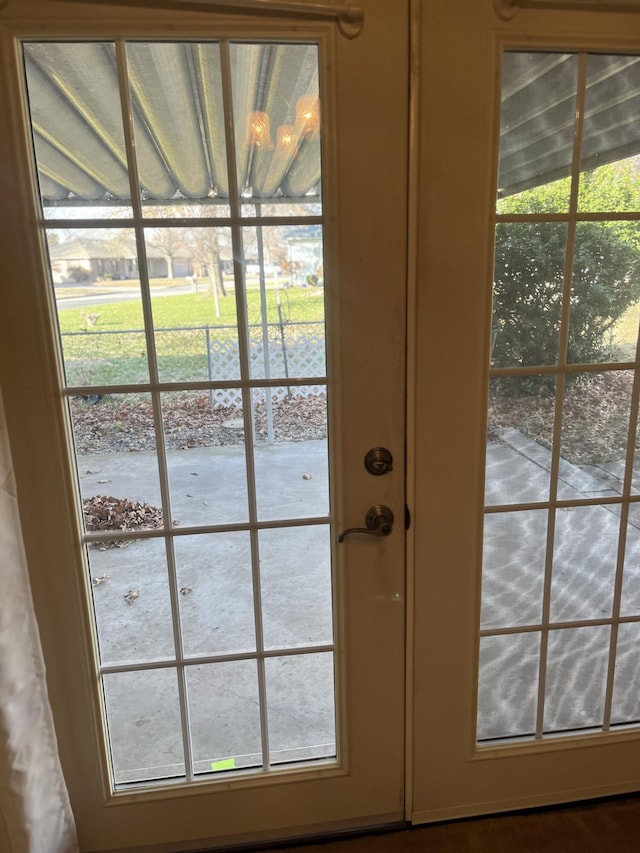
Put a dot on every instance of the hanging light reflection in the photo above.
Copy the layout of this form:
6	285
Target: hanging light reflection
258	130
285	138
308	114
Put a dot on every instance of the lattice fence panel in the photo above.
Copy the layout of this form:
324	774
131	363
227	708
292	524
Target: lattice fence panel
301	356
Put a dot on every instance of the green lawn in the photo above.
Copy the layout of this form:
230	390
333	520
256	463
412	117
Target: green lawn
198	309
625	332
113	351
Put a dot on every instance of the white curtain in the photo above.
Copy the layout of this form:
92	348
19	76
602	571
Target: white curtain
35	815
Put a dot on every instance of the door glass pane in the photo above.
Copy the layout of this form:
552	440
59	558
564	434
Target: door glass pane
205	457
536	133
595	431
626	691
301	727
131	601
561	545
630	604
106	423
277	127
228	694
296	586
584	567
611	89
143	713
97	291
604	291
625	333
217	608
193	346
284	285
291	469
513	571
519	439
509	685
527	292
193	303
78	136
576	678
176	92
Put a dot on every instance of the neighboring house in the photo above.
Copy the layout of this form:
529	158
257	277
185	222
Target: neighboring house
305	259
93	259
86	259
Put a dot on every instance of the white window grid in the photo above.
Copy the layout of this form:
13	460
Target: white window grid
245	389
624	501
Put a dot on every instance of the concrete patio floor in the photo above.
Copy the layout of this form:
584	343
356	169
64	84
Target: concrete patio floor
215	599
585	551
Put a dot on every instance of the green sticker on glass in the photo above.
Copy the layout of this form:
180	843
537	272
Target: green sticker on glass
224	764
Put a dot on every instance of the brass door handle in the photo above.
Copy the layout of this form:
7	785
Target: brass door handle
378	522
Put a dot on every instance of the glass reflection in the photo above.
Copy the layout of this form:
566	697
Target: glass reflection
513	568
508	686
278	132
576	678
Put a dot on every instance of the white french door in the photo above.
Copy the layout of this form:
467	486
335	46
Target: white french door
207	306
525	620
522	613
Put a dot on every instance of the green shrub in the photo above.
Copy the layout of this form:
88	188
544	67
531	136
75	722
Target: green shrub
529	269
528	285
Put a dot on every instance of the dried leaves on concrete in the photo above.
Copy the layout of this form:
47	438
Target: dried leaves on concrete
102	513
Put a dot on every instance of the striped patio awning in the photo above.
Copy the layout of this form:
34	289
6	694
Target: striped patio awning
178	115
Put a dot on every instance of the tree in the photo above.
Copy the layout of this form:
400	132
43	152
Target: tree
171	242
529	273
204	245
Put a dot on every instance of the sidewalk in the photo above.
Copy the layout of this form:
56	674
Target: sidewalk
70	290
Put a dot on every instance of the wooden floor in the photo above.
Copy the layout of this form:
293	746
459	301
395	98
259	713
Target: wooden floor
611	826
